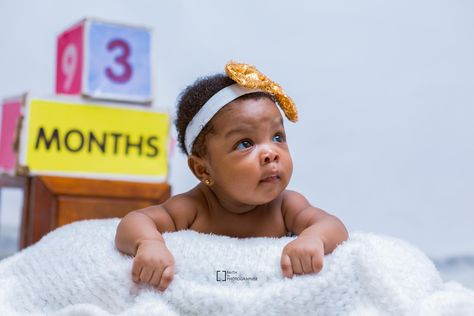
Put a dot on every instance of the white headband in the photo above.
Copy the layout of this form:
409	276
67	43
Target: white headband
210	108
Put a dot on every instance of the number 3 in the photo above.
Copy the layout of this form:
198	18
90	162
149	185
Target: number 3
121	60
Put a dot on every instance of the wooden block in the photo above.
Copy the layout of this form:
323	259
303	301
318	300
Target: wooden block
56	201
105	61
71	209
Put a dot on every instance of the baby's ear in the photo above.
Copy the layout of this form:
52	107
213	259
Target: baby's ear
198	167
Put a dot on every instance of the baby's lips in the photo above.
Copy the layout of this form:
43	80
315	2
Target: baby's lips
272	177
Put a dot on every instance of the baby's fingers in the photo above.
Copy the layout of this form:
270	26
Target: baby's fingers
317	263
286	267
146	274
166	278
156	278
136	270
306	264
296	265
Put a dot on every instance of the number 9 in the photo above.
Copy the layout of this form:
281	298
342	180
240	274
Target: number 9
69	65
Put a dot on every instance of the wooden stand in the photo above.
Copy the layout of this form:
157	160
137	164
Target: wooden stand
50	202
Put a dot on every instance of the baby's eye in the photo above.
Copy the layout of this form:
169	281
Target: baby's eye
278	138
244	144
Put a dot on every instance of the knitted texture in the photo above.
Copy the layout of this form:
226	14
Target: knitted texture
76	270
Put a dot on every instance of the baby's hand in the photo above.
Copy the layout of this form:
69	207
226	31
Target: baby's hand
301	256
153	264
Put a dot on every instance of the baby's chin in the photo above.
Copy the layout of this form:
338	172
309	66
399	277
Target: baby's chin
264	198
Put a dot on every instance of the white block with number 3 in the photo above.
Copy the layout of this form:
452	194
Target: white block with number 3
105	61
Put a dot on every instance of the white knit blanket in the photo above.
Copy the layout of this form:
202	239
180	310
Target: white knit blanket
76	270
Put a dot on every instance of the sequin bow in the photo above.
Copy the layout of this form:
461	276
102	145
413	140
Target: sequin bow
248	76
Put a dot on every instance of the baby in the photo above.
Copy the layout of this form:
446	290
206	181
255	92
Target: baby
233	134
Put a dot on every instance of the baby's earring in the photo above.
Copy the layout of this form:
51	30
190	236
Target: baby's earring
208	182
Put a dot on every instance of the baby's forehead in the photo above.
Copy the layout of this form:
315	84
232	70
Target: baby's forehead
252	114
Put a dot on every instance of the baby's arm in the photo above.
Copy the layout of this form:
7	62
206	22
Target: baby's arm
318	232
139	235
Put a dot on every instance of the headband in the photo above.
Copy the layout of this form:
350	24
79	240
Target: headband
248	80
210	108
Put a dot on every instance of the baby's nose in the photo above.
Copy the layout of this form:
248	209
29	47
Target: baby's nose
269	155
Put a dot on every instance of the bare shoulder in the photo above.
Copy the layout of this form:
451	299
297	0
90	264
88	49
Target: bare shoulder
179	211
297	210
183	208
293	201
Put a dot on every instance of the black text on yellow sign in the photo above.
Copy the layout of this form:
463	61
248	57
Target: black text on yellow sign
75	141
92	139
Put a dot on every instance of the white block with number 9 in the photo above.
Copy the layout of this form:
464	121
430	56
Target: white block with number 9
105	61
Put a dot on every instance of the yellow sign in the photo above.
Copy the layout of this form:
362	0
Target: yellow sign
94	141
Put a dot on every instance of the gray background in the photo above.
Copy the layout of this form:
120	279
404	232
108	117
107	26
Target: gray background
384	90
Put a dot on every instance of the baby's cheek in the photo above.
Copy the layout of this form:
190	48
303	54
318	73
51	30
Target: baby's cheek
289	166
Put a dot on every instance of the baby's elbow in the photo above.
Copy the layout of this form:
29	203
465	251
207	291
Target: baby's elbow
124	227
343	232
118	237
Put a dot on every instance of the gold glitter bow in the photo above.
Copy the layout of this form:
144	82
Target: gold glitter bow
248	76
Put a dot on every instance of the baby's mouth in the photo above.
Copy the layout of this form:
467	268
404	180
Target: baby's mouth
270	179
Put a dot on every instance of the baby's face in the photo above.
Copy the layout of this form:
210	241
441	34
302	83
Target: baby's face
248	157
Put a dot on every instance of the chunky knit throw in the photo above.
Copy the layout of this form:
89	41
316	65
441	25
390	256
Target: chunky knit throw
76	270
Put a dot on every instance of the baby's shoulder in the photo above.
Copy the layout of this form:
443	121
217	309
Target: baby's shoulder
183	208
292	196
180	201
292	200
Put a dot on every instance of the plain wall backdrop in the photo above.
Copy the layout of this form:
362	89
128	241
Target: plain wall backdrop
384	90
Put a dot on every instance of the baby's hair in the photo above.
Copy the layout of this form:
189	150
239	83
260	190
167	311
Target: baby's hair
191	101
